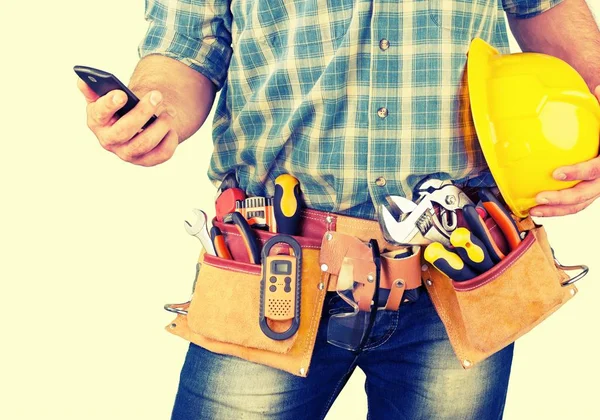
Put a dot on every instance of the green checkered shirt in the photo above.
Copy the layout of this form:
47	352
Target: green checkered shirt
357	99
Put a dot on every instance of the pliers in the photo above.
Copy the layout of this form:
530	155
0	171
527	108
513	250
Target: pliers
247	236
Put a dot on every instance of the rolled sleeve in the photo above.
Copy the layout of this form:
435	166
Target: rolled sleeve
528	8
195	32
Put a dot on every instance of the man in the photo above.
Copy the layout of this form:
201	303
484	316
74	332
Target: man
358	100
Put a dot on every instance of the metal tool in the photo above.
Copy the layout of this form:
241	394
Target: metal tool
246	232
479	228
419	223
229	181
258	212
470	248
448	262
501	216
218	241
200	231
286	204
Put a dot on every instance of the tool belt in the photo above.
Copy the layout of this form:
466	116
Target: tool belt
481	316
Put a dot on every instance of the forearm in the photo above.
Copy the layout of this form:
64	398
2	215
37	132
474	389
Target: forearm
184	89
567	31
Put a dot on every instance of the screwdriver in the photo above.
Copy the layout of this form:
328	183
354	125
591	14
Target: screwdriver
479	228
470	248
448	262
286	204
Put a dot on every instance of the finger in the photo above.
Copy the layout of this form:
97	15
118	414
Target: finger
161	153
597	92
582	171
88	93
131	123
559	210
102	111
147	140
582	192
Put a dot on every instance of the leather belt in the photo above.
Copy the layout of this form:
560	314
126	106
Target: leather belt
397	275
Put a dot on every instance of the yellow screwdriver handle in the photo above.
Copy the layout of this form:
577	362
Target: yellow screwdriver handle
286	204
471	249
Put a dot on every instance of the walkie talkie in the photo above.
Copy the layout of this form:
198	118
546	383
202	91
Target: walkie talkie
280	286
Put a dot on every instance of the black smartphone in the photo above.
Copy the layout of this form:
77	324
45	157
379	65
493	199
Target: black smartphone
103	82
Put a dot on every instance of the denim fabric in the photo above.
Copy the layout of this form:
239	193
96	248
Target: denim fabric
411	370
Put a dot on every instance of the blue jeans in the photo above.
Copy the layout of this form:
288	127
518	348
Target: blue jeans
411	373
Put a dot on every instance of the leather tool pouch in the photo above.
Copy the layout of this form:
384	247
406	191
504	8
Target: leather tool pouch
223	315
342	250
487	313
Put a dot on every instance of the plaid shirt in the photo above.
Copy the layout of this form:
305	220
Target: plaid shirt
358	99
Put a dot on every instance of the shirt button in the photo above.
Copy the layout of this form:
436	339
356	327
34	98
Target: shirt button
384	44
382	112
380	182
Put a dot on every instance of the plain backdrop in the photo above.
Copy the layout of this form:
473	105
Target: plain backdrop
93	247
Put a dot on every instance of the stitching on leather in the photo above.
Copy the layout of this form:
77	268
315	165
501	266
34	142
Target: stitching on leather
303	247
314	319
450	331
502	271
354	221
317	219
233	269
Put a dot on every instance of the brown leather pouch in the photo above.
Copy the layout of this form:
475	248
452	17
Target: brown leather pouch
487	313
340	251
223	315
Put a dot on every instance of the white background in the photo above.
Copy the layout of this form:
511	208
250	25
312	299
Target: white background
92	247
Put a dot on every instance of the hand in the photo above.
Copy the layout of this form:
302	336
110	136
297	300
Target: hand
124	136
577	198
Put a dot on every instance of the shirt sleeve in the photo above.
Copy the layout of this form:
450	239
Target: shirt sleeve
195	32
528	8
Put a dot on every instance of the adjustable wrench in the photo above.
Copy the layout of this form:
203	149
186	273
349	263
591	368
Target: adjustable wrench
200	231
419	223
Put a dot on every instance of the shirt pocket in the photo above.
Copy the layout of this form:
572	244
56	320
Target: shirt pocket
281	24
464	19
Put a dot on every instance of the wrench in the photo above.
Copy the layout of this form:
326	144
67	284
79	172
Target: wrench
419	224
200	231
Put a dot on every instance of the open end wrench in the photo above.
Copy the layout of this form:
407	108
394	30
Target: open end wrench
419	223
200	231
420	227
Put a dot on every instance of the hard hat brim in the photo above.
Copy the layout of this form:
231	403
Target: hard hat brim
478	74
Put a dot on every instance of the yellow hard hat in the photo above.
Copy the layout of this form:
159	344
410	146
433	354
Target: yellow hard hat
533	113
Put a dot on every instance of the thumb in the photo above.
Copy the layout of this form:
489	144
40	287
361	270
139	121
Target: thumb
90	95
